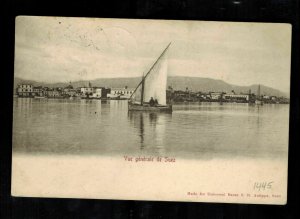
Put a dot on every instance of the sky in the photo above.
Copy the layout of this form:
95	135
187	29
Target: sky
60	49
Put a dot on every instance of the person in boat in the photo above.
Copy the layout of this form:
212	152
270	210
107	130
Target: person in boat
155	102
151	102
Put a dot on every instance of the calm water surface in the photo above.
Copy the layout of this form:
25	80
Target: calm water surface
193	130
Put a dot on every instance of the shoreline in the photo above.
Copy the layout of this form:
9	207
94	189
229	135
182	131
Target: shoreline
174	102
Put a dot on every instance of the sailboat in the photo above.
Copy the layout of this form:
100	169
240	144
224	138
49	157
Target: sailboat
258	100
150	93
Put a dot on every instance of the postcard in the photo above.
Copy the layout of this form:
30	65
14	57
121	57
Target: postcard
168	110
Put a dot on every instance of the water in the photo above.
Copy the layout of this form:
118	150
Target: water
193	130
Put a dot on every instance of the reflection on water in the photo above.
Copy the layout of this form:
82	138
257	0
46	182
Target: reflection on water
151	129
197	130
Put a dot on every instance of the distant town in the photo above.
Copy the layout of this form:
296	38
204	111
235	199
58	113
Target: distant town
104	93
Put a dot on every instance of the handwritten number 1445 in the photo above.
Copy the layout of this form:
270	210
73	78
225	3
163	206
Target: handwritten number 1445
262	185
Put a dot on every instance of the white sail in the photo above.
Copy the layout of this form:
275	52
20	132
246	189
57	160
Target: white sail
137	95
155	84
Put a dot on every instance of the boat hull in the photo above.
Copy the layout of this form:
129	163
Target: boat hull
148	108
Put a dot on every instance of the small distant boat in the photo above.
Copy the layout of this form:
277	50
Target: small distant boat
39	97
119	97
150	94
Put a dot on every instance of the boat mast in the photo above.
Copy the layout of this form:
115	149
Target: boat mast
142	94
142	82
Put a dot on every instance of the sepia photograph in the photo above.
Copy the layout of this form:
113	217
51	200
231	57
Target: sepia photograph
167	110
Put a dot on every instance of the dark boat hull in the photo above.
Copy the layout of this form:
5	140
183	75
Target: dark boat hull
148	108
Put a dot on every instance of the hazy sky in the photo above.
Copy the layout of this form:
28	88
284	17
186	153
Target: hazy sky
60	49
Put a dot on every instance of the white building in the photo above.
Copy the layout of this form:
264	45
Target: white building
25	90
122	93
38	91
216	95
87	90
236	97
97	93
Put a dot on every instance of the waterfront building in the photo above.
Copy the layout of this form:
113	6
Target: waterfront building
180	93
69	91
25	90
273	98
38	91
216	95
233	97
122	93
237	97
183	96
45	90
54	93
97	93
87	90
204	96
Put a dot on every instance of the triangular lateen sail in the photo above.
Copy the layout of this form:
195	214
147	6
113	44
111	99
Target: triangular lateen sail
155	82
